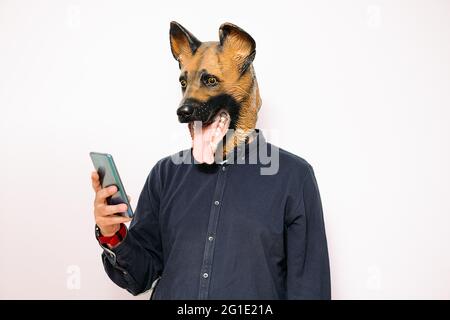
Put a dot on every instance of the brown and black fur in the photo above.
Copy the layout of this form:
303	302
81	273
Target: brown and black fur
230	61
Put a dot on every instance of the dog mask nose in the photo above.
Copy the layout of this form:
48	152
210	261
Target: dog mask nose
185	111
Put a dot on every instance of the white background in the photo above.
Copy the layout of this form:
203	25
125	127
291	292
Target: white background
360	89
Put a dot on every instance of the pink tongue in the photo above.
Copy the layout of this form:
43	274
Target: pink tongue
206	138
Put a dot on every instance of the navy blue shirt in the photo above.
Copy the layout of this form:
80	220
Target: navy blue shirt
249	228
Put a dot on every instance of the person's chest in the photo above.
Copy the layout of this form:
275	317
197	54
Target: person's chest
234	204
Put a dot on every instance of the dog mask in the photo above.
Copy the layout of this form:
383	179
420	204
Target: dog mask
220	91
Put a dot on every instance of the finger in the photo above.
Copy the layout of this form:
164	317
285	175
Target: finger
102	194
95	181
111	210
111	220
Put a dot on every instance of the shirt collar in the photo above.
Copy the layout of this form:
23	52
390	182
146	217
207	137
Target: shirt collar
246	150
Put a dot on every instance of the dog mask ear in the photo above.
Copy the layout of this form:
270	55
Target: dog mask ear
238	43
182	43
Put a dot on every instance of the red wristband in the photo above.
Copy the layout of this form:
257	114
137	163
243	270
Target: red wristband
114	239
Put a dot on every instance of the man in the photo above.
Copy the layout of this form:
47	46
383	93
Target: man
226	225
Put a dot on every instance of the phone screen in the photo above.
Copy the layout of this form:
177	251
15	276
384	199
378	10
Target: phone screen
109	176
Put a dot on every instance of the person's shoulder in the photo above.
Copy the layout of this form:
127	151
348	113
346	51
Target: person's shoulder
173	161
290	163
165	168
292	159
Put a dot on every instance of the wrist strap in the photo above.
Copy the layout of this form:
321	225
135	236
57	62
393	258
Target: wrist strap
115	238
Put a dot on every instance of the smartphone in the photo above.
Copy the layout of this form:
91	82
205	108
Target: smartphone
109	176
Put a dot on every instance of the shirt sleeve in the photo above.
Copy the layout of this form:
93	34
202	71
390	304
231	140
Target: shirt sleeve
308	271
137	260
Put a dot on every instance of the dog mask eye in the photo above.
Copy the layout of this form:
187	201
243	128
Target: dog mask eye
183	83
211	81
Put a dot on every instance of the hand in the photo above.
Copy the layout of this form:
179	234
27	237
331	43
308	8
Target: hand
105	217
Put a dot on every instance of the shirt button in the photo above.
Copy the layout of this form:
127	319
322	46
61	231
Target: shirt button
223	168
205	275
216	203
210	238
